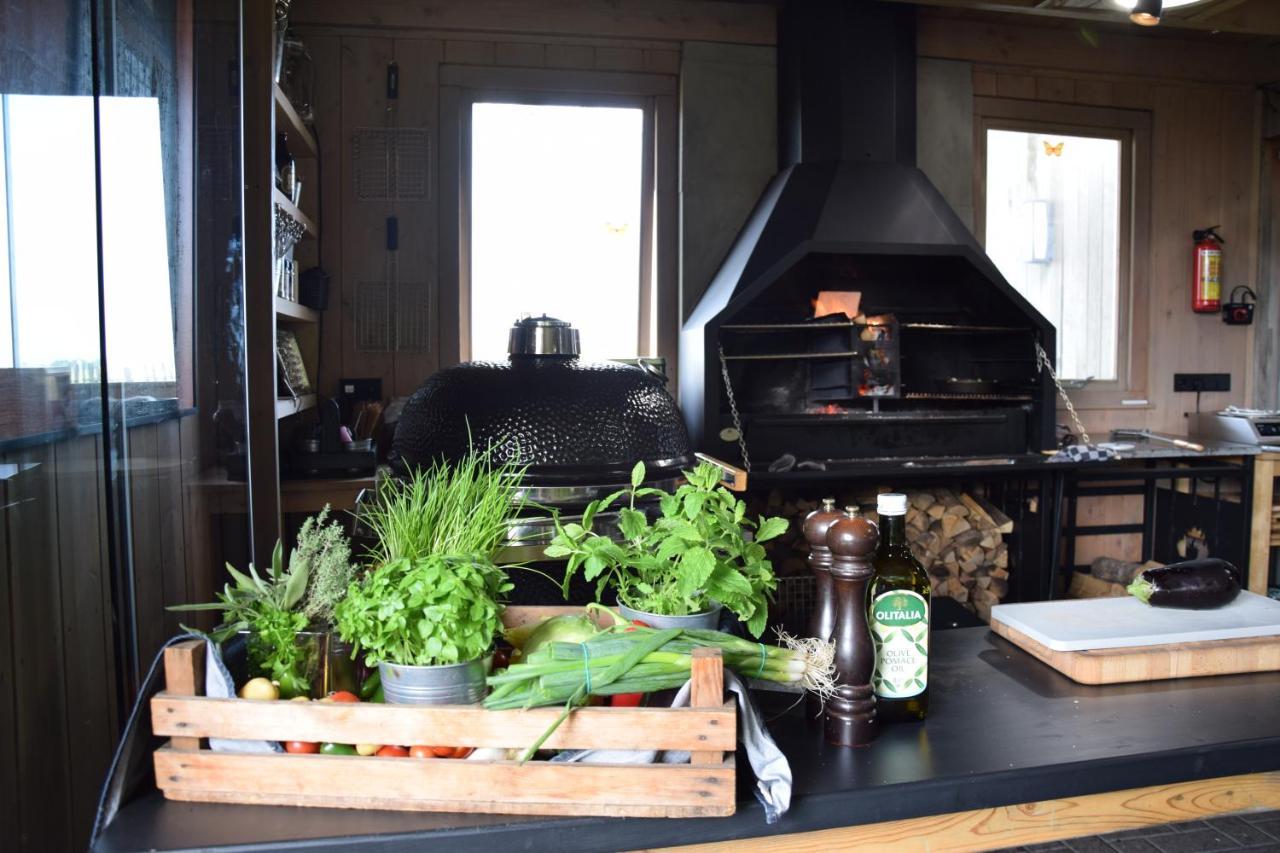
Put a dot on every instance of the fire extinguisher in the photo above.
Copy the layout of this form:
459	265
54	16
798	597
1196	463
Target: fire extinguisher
1206	274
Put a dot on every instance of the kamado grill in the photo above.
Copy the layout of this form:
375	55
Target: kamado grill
579	426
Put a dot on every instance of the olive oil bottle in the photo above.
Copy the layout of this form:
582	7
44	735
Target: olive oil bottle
898	615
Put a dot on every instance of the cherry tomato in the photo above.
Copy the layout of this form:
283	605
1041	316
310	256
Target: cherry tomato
626	700
440	751
392	752
343	696
301	747
501	657
422	751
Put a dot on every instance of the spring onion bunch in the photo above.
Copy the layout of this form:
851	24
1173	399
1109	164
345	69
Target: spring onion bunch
643	660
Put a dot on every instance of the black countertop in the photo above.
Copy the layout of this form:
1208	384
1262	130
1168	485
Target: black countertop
1003	729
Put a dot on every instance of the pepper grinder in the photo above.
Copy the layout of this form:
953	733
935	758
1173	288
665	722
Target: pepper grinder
851	712
822	621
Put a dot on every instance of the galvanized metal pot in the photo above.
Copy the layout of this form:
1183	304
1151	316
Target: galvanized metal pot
448	684
706	620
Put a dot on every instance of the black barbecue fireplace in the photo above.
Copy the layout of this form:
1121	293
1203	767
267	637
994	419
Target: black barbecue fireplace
855	316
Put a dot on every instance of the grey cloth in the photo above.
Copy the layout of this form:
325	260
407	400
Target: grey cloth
773	773
219	684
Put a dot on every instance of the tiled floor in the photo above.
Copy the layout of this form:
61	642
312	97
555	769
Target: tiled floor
1257	831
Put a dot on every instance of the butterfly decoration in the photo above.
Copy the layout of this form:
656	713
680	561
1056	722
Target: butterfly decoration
616	229
1053	150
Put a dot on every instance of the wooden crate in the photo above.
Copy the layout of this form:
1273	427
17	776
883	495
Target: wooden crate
187	770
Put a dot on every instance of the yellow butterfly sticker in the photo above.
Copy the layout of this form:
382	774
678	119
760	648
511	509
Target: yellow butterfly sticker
1053	150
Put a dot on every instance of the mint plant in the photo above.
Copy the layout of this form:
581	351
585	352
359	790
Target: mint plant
698	552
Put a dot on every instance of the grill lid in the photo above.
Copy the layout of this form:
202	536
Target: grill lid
569	420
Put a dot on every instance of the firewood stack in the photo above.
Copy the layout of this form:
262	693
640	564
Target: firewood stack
959	539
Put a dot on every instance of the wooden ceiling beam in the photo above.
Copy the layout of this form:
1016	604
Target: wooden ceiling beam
1258	18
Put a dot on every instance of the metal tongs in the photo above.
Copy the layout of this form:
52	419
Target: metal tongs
1155	436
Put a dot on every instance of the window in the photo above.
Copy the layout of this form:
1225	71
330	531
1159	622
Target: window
1062	207
48	262
557	223
1053	229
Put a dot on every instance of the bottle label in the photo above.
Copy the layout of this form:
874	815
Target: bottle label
900	631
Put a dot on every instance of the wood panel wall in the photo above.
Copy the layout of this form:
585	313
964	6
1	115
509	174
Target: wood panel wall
58	666
1204	167
351	66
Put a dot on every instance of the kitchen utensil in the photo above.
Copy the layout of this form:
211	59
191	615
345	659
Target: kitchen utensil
1155	436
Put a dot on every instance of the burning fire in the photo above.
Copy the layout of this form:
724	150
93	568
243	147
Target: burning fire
828	409
844	302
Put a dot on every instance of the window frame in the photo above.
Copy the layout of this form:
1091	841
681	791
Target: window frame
654	95
1132	129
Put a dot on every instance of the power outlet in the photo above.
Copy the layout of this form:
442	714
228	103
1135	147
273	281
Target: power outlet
1197	382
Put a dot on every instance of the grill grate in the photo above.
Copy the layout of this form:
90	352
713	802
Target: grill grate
391	163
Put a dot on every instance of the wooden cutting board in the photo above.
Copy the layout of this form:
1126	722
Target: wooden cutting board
1134	642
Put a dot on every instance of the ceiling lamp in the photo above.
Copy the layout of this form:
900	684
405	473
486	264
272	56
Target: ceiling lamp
1146	13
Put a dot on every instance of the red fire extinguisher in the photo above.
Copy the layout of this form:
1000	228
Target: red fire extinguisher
1206	274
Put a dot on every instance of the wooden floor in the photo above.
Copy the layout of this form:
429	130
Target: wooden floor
1032	823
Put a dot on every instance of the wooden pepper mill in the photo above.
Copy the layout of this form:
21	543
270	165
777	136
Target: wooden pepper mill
851	713
822	622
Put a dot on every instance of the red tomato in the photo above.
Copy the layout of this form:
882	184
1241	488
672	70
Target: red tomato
422	751
626	700
301	747
440	751
343	696
392	752
501	657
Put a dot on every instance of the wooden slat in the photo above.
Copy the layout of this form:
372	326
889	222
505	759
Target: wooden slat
1030	823
363	225
184	676
411	784
679	20
89	663
10	780
43	757
586	728
706	674
293	210
147	553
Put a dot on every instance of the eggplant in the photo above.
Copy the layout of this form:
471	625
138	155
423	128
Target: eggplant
1193	585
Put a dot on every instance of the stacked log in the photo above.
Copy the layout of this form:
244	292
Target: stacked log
960	541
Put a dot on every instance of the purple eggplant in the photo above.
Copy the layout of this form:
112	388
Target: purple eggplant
1193	585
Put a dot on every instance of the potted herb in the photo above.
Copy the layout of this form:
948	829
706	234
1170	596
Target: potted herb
324	552
698	556
267	609
428	614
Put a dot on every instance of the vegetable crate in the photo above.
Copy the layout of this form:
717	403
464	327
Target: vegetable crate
186	769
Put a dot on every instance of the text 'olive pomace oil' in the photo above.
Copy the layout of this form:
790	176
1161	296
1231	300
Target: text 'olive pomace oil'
898	615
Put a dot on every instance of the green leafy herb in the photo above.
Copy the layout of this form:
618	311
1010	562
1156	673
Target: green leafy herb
324	553
428	610
697	552
266	608
459	509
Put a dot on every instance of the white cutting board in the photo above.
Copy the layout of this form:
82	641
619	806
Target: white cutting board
1122	622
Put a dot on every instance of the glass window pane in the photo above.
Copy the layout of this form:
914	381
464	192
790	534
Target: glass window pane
1053	229
555	223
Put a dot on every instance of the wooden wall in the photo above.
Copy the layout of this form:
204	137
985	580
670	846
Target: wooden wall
1205	158
1204	167
59	668
351	45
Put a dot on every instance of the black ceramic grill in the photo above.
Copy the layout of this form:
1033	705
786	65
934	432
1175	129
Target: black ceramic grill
571	421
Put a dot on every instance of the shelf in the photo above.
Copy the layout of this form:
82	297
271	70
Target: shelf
954	327
288	309
286	406
224	496
288	121
788	356
282	201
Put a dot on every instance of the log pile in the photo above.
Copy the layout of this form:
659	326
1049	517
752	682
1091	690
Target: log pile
960	541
